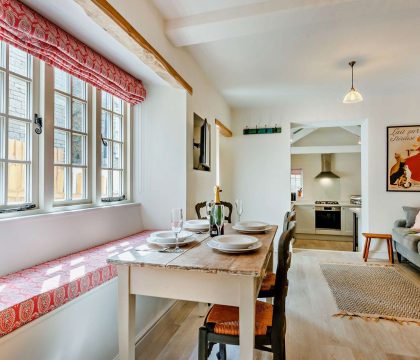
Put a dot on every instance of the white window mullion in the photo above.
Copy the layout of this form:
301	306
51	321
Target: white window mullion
37	95
47	141
6	131
98	146
127	150
90	152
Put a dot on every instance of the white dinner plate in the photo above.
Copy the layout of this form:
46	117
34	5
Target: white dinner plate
233	242
252	225
171	243
169	236
216	246
250	231
202	224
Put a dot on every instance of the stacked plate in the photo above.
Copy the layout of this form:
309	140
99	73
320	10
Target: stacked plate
234	244
197	225
251	227
167	238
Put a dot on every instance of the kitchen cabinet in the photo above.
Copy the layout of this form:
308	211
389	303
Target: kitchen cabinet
305	219
346	221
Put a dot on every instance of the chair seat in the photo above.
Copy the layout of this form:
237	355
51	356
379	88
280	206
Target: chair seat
223	319
268	282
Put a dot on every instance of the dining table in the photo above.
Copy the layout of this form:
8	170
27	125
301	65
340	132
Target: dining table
198	273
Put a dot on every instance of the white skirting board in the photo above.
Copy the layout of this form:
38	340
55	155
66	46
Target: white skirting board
83	329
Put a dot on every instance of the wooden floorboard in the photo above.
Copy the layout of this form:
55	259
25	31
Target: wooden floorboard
312	332
323	244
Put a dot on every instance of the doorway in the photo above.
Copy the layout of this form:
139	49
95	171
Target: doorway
327	190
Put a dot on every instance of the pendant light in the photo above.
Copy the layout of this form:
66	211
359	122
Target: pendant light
353	96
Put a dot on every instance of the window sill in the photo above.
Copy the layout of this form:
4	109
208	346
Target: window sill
65	210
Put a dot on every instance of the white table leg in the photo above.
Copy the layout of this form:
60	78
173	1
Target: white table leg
247	318
126	315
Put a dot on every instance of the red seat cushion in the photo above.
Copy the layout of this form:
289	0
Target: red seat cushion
28	294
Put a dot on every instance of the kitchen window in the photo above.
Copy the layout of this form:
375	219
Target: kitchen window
296	181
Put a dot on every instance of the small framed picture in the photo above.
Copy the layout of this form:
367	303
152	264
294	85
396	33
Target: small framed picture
403	158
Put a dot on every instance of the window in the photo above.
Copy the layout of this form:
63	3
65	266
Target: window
296	182
113	147
16	98
70	138
77	174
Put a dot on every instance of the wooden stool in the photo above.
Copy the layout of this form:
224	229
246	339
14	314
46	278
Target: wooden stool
387	237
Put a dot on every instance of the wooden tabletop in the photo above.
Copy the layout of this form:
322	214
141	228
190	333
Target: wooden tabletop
199	257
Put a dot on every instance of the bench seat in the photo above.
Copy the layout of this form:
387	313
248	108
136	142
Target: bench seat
30	293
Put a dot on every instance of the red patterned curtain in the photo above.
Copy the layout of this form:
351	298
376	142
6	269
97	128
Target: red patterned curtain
24	28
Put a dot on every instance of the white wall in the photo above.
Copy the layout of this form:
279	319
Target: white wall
159	184
162	156
83	329
347	166
261	167
328	136
205	101
32	240
164	178
380	208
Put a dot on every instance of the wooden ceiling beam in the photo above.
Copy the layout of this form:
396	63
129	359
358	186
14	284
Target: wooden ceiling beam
106	16
223	129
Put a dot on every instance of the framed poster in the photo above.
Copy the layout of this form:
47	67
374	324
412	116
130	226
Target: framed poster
403	158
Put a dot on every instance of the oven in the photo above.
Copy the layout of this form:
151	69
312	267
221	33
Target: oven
328	218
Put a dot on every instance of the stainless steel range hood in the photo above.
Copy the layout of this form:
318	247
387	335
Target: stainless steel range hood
326	168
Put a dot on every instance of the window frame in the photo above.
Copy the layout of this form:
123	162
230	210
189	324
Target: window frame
42	147
297	172
32	149
126	151
89	116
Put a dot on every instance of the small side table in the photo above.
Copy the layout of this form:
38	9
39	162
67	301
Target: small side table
387	237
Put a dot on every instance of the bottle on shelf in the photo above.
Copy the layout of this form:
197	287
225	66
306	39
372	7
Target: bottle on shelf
213	227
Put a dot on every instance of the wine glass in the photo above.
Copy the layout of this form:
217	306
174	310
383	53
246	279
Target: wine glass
219	217
177	221
239	205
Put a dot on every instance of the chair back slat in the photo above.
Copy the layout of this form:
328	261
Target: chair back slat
288	217
226	204
286	220
278	330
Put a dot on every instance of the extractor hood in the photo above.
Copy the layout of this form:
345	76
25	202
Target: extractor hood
326	168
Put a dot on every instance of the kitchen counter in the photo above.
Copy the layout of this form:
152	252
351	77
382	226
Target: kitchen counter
356	210
312	203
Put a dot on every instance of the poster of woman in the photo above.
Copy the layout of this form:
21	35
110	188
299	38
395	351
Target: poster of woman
403	167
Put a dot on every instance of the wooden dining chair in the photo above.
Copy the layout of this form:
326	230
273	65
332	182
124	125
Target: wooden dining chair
226	204
288	217
268	283
221	325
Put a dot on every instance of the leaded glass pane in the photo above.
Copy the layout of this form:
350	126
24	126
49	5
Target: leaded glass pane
19	97
18	140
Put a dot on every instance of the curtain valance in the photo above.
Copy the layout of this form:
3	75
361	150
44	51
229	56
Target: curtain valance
24	28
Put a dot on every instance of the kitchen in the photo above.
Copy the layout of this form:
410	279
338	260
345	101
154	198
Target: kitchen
326	186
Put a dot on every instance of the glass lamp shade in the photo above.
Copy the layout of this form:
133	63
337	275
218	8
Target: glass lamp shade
352	97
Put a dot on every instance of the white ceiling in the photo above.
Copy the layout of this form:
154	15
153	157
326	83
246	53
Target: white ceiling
70	17
276	51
